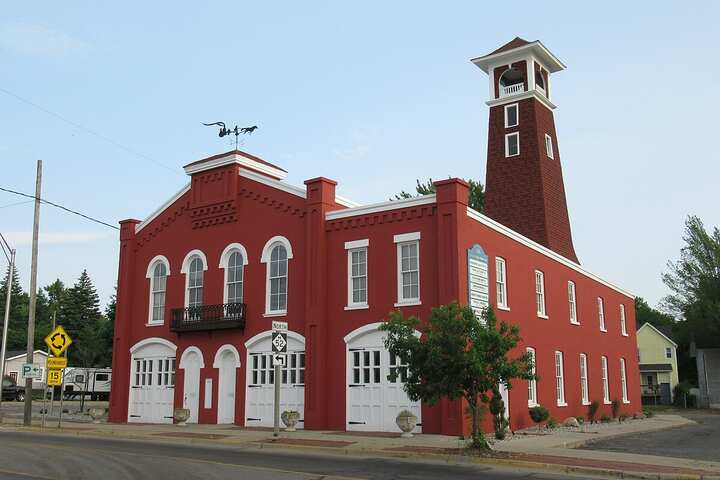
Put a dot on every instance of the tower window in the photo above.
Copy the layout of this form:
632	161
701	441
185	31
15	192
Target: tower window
511	115
512	144
549	146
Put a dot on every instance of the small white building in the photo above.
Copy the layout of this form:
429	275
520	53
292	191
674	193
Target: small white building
15	359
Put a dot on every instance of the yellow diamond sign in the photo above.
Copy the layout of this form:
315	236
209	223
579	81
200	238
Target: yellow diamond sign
54	377
58	340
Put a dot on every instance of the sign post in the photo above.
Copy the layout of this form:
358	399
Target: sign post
279	348
58	342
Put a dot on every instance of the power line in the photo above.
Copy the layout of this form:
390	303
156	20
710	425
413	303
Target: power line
87	130
2	245
60	207
16	203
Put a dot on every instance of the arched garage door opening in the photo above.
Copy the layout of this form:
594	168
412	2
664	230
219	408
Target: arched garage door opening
260	380
227	361
373	401
192	362
152	381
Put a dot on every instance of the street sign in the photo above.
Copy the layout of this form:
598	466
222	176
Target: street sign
54	378
279	359
56	362
279	342
58	340
31	370
279	326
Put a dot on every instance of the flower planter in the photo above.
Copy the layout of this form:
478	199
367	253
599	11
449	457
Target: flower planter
406	421
181	416
290	418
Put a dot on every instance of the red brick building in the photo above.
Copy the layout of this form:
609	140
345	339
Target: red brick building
202	278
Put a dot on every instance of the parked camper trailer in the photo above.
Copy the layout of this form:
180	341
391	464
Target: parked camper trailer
94	382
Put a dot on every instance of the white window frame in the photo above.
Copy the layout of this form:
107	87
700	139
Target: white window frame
623	321
352	247
668	350
150	274
224	264
501	292
605	379
540	300
623	381
400	241
549	146
265	258
601	313
507	144
560	380
572	303
584	387
186	269
517	115
532	384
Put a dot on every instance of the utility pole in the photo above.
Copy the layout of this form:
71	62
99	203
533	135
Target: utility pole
27	417
8	297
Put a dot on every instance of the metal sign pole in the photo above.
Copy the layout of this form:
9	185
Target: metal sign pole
276	429
62	388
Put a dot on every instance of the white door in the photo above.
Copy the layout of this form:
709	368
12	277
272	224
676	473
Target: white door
152	385
226	388
260	389
191	385
373	400
505	394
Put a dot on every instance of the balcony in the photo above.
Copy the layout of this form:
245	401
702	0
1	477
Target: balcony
208	317
507	90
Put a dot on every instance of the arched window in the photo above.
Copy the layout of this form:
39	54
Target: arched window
157	272
275	255
233	261
195	282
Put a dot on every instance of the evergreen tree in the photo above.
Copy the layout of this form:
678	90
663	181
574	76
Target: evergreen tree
83	321
476	195
19	301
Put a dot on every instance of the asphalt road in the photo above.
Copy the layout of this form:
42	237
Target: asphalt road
30	455
696	442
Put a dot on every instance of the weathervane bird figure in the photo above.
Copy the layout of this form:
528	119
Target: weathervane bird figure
237	131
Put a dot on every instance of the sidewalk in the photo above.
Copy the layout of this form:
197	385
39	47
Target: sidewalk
552	451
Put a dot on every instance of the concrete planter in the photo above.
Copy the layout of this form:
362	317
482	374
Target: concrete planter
96	413
406	421
290	418
181	416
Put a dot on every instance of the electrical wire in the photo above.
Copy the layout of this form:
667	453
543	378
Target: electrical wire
88	131
60	207
17	203
2	245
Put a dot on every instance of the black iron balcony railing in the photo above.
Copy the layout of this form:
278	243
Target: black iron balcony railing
208	317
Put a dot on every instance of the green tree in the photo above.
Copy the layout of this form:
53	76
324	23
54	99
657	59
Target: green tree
476	195
644	313
19	301
457	356
84	322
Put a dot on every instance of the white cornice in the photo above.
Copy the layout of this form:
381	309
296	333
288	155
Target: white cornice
165	205
346	203
522	96
381	207
238	159
546	56
271	182
488	222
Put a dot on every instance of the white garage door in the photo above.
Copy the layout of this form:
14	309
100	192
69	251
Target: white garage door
373	400
152	385
260	390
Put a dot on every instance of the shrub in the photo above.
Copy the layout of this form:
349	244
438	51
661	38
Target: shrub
605	418
479	442
552	423
539	414
580	420
649	413
500	423
615	406
592	411
681	392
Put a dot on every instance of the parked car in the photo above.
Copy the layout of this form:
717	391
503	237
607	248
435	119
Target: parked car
11	390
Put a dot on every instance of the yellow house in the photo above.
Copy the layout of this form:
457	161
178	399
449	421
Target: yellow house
657	355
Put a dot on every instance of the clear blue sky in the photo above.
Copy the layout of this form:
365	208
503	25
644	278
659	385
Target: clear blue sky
373	95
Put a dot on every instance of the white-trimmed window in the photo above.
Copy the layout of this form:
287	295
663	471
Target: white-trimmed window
584	391
549	146
233	261
572	302
559	380
623	323
408	268
532	384
357	269
623	381
157	272
605	381
540	294
512	118
512	144
668	352
601	314
501	283
275	256
193	267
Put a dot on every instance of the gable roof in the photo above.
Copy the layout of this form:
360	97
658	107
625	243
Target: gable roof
12	354
236	152
516	42
660	330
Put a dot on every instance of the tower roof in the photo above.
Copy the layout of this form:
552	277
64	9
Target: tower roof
519	46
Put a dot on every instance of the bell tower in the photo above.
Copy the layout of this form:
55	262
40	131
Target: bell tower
524	182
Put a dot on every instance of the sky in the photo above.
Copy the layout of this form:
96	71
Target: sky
111	96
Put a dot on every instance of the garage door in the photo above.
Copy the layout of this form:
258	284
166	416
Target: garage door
152	385
260	385
373	400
